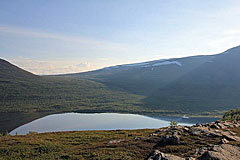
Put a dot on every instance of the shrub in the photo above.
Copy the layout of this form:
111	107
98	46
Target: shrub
173	123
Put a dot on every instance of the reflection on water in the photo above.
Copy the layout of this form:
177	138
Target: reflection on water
97	121
183	119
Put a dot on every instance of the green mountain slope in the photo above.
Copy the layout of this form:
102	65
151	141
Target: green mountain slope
10	73
192	84
23	91
25	97
182	85
214	85
143	78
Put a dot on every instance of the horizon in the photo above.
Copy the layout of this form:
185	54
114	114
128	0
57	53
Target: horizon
71	37
119	64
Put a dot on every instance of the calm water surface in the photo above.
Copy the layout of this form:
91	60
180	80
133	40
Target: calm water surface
97	121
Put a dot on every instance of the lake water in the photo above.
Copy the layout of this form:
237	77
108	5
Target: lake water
100	121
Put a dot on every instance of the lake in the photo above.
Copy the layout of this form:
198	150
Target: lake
99	121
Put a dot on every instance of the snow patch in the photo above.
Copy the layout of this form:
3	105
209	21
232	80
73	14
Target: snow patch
167	63
136	64
160	63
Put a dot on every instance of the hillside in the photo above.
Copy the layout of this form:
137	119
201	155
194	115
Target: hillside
25	97
216	140
10	73
191	84
198	85
23	91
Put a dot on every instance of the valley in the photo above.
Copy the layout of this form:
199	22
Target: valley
193	86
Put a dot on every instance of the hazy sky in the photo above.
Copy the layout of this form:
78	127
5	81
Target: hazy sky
63	36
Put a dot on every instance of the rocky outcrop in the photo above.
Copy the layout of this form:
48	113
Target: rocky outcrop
223	147
170	139
221	152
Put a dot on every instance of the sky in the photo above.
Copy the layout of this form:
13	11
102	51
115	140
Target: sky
68	36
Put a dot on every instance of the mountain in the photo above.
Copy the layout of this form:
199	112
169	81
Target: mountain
190	84
11	72
23	91
25	96
143	78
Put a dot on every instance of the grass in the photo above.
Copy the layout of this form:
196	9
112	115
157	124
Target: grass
96	145
76	145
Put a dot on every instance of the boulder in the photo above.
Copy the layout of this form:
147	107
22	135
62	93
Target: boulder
224	141
214	134
221	152
157	155
215	126
196	131
221	125
170	139
228	124
185	129
153	134
230	137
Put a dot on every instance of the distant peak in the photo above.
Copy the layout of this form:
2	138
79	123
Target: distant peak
233	50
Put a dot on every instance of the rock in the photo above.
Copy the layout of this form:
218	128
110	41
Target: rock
197	125
221	152
153	134
235	126
158	131
224	141
190	158
206	124
232	133
157	155
137	138
213	134
229	137
214	126
221	125
171	157
200	151
218	121
196	131
170	139
185	129
227	124
130	135
114	141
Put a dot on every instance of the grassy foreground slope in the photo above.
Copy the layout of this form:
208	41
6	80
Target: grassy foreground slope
89	145
113	145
